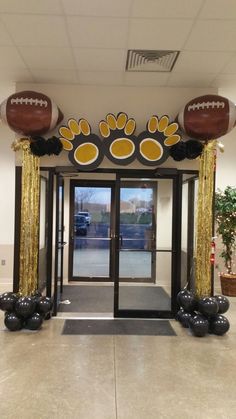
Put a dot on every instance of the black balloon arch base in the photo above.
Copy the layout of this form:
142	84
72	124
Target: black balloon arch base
204	315
25	312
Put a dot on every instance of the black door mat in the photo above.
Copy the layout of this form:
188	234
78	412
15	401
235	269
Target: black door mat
99	299
118	327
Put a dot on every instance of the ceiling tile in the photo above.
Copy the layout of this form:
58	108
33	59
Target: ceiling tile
5	38
100	59
101	78
98	32
158	34
119	8
10	58
230	68
29	6
55	76
166	8
47	58
146	79
224	80
201	61
218	9
213	35
36	30
15	75
190	80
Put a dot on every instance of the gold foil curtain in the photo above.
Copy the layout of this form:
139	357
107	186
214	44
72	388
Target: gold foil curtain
204	221
29	233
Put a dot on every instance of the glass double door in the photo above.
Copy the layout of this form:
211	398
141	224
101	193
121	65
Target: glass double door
123	232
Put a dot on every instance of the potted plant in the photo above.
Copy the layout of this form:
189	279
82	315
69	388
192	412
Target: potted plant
225	213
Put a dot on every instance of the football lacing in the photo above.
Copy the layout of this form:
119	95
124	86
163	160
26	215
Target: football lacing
29	101
206	105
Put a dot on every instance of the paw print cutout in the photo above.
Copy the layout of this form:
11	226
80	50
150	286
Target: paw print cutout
154	142
85	149
119	142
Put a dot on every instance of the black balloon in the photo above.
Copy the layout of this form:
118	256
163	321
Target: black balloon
44	305
34	322
186	300
179	314
178	151
219	325
48	316
193	149
37	293
185	318
13	322
8	301
25	307
199	325
223	303
36	296
208	306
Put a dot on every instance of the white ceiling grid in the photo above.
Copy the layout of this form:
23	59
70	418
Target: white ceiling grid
86	41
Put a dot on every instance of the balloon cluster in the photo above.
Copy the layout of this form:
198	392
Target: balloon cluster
204	315
190	149
39	146
25	312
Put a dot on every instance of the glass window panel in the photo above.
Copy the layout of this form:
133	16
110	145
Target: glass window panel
92	218
164	215
153	296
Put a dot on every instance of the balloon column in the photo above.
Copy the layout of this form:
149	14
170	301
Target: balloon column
203	315
25	312
206	118
30	114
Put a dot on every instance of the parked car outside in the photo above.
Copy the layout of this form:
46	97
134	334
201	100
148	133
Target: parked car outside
86	215
80	225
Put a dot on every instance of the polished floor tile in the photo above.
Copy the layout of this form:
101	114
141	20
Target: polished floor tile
47	375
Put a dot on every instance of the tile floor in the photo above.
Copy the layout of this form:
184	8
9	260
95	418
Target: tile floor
46	375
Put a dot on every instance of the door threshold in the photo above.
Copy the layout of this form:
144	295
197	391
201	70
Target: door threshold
84	316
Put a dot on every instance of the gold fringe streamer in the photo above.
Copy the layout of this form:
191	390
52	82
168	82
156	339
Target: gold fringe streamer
204	221
29	230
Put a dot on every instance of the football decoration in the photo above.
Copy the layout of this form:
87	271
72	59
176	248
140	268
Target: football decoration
30	113
207	117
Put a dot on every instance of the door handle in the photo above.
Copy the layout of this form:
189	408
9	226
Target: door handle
61	244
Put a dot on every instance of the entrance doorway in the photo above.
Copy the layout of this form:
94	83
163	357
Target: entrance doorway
123	234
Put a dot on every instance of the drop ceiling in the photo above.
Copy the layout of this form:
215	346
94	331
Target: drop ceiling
86	41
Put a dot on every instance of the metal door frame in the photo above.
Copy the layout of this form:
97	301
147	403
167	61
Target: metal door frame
91	183
175	248
157	173
58	276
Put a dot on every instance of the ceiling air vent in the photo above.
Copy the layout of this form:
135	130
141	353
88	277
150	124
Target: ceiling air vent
150	60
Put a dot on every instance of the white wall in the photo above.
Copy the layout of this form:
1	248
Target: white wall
7	193
226	167
225	175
